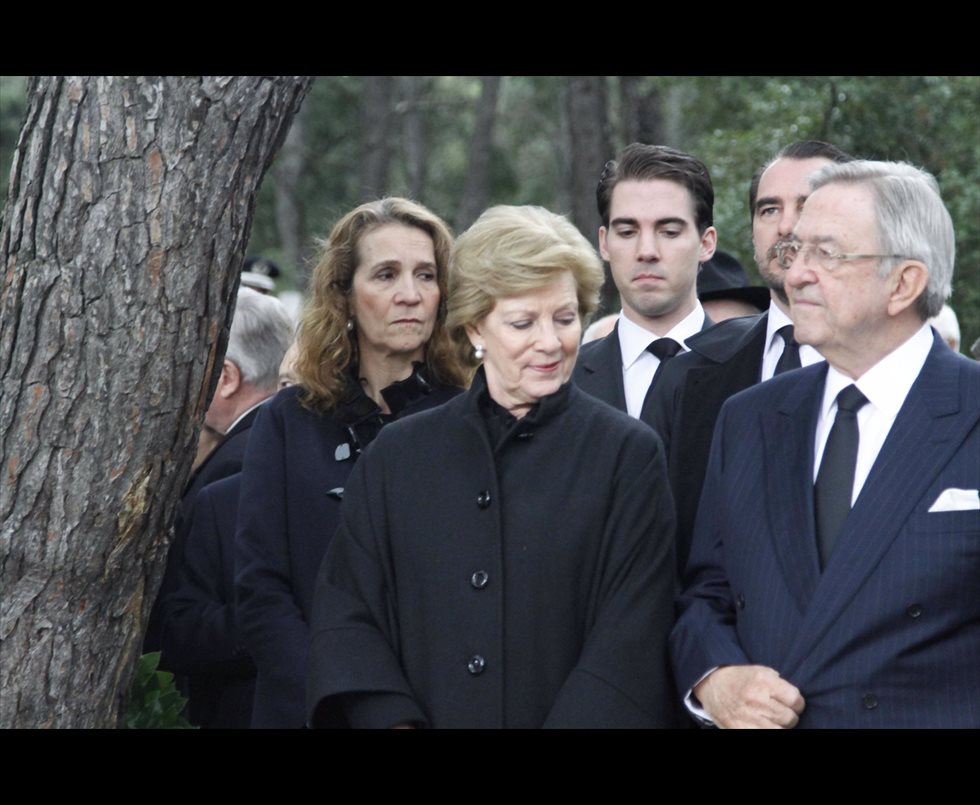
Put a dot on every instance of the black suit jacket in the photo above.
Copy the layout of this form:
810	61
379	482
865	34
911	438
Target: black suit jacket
225	460
688	396
599	369
200	631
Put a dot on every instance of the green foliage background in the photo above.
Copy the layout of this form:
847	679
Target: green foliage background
733	123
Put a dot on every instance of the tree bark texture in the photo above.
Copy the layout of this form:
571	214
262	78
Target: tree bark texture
129	208
587	117
477	189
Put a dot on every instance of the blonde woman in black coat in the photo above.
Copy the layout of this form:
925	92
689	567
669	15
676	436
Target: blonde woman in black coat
516	571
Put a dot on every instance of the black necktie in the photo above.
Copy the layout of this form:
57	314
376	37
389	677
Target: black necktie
665	349
835	480
790	359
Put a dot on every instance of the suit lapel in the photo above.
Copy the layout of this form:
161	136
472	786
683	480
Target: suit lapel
787	435
712	385
601	371
928	430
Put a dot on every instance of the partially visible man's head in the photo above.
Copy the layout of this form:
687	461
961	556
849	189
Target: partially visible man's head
656	206
776	195
260	334
873	259
912	221
948	327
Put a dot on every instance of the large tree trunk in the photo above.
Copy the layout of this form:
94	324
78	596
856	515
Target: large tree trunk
587	125
477	189
130	205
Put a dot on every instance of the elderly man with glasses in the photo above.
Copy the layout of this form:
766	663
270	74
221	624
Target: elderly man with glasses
847	597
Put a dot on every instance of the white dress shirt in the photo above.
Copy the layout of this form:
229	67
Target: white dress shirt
886	385
639	366
774	343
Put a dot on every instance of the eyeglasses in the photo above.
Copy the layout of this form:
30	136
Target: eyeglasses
785	252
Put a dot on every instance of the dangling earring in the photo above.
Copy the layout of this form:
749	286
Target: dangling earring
350	325
479	352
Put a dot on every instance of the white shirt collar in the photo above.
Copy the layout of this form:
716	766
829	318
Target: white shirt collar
244	414
775	322
634	339
887	383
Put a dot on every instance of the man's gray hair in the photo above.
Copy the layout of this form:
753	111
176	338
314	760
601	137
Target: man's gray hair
260	334
912	220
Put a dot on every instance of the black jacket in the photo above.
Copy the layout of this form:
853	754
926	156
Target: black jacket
523	584
293	480
200	632
599	368
225	460
687	399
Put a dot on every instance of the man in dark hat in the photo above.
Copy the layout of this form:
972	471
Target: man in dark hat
740	352
725	291
259	274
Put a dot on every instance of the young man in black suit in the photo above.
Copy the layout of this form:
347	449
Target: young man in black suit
656	206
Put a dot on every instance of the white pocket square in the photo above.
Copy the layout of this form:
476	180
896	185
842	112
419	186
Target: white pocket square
957	500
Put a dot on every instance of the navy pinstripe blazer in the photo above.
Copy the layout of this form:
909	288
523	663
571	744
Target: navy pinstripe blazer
889	634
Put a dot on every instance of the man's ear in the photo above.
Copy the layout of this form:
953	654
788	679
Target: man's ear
230	380
709	242
908	285
603	251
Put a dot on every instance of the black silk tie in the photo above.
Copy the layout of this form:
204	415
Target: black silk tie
790	359
835	479
665	349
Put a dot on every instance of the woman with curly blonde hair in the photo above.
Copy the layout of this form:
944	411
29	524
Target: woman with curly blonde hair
372	348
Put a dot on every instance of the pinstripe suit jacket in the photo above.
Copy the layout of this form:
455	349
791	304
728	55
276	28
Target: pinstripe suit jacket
889	634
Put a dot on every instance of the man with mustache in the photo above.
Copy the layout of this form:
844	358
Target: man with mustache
741	352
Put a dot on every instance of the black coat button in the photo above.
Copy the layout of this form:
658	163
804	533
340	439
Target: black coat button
480	579
476	665
870	701
483	499
914	610
740	601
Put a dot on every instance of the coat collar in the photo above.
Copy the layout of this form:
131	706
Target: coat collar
721	342
545	410
355	406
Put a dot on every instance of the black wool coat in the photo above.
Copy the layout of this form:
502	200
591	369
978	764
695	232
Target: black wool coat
523	584
296	468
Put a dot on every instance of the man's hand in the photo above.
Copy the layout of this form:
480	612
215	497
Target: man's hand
747	696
